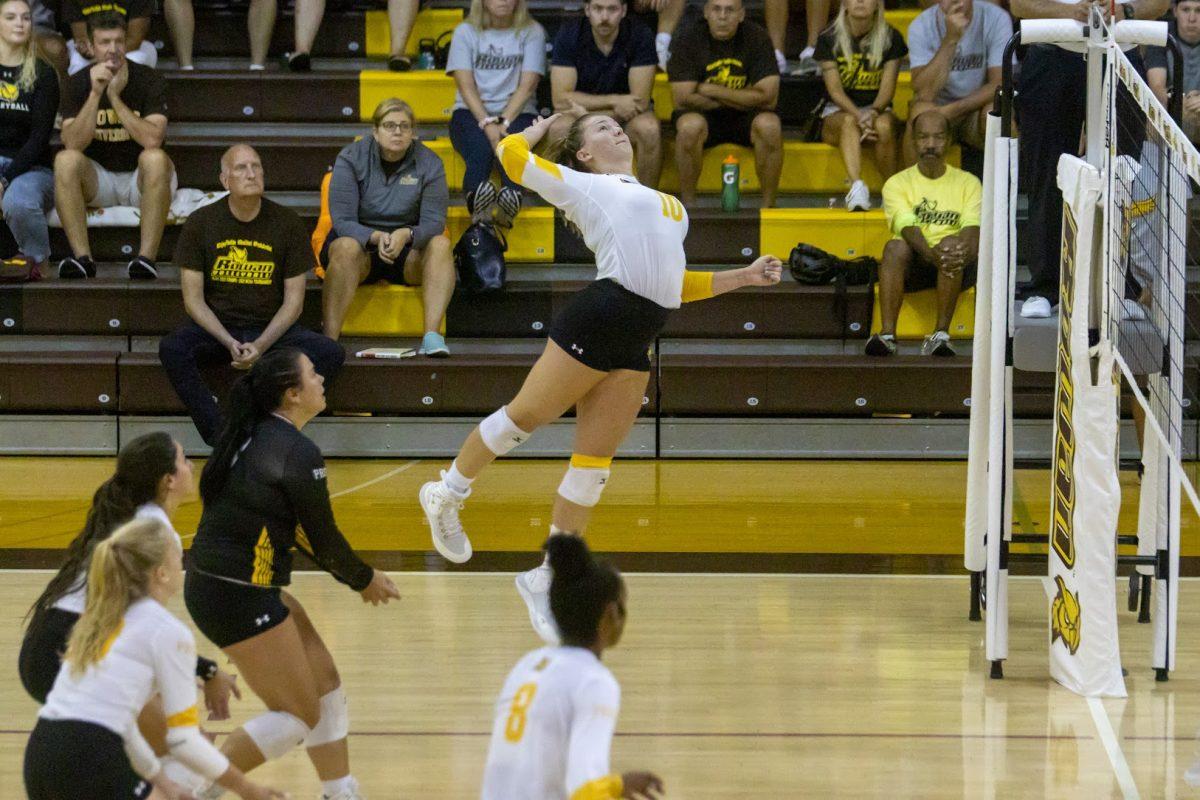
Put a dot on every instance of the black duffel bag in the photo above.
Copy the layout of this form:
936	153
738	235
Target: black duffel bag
813	266
479	259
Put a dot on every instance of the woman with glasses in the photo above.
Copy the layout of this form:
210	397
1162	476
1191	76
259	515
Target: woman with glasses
387	202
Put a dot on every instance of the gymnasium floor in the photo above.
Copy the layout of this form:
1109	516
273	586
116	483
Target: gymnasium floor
748	671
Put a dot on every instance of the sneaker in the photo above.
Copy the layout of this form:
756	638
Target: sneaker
938	344
1036	307
76	268
351	793
20	269
808	64
482	202
434	346
1132	310
399	63
881	344
297	62
859	197
141	269
534	588
441	509
508	205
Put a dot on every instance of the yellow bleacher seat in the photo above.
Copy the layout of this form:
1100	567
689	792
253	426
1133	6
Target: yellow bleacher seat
385	310
663	105
531	239
901	18
918	314
430	24
429	92
846	234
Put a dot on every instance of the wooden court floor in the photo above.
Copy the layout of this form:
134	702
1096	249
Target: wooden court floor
734	686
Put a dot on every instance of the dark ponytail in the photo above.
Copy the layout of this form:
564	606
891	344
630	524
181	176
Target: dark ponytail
141	466
581	589
253	397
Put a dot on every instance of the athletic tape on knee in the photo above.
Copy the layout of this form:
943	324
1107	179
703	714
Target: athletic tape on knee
275	733
585	480
499	432
334	724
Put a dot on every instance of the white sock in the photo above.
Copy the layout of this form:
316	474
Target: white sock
331	788
257	67
807	52
662	48
456	482
781	60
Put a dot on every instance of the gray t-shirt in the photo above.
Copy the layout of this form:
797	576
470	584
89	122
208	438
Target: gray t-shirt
497	57
981	46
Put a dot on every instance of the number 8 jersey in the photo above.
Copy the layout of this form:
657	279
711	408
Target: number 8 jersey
554	724
636	232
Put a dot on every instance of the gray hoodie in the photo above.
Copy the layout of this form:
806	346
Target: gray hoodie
362	199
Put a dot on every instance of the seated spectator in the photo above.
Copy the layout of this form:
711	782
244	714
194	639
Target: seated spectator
52	48
604	63
497	57
28	104
933	213
243	262
136	13
1185	27
860	57
956	53
402	15
181	21
724	83
775	15
388	199
114	124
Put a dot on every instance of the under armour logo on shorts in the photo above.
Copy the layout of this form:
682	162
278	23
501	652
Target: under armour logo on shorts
577	349
263	620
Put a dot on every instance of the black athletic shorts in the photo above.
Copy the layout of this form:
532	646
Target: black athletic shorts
67	759
227	612
605	326
380	270
725	125
923	275
42	649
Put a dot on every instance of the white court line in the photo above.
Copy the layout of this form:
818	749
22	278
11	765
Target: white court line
352	489
1116	756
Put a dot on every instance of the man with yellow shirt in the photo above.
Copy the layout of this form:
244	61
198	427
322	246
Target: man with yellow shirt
933	213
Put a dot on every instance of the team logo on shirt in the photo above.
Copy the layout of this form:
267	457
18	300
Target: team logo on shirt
495	58
728	72
235	266
927	213
8	91
319	474
408	180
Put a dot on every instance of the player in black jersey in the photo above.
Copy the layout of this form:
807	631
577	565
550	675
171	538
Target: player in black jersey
265	493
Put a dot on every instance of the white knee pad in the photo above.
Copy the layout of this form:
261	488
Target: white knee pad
335	720
583	485
275	733
500	434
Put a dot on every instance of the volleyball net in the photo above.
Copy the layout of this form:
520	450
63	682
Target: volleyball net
1122	339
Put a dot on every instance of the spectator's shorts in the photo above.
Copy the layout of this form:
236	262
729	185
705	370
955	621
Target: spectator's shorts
923	275
725	126
120	188
605	326
380	270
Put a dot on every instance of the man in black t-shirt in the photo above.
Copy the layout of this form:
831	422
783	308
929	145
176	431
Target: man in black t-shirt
604	63
243	262
724	83
137	14
114	124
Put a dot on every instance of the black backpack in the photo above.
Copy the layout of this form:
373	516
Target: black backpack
813	266
479	259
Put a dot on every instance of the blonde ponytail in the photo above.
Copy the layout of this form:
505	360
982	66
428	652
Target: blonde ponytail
117	577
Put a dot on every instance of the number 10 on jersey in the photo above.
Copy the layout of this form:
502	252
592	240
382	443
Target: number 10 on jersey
671	207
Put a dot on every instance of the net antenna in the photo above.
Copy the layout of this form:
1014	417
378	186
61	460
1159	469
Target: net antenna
1122	313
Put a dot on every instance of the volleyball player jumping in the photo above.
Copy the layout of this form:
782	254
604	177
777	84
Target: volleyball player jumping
265	493
596	358
557	711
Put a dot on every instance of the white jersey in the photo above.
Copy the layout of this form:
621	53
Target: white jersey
75	600
636	232
554	725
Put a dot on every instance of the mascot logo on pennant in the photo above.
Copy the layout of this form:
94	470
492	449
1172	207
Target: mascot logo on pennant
1064	617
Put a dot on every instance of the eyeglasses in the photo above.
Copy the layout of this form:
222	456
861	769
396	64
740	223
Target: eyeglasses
396	127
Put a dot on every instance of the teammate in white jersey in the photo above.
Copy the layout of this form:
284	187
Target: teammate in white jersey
556	713
596	358
125	648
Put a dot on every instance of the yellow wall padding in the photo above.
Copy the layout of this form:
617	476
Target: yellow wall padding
918	314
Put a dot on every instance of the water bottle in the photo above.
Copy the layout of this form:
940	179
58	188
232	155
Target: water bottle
425	57
731	190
